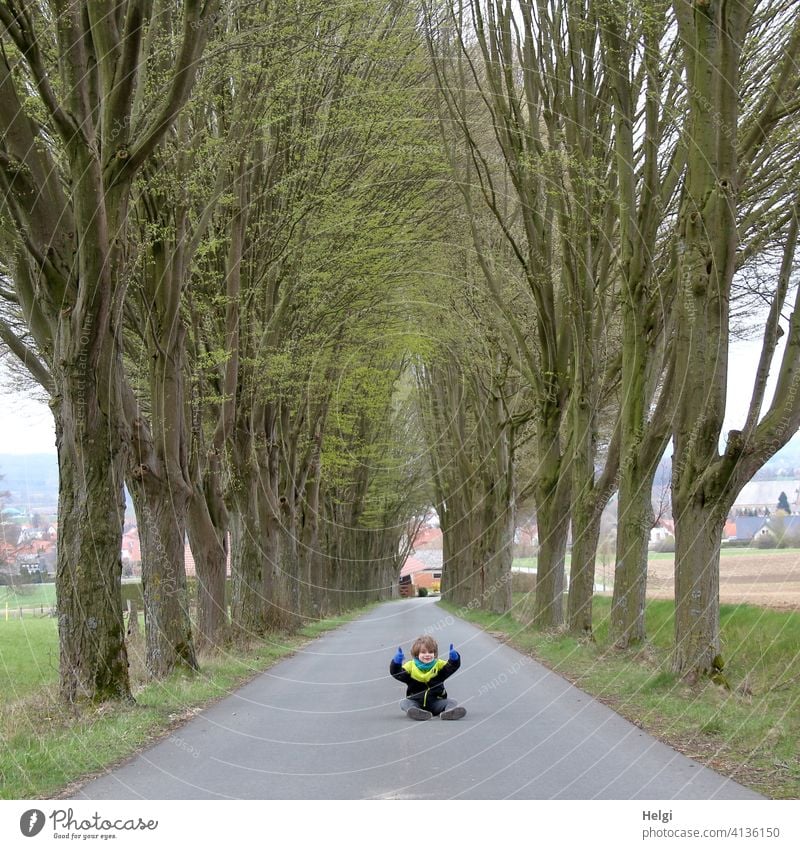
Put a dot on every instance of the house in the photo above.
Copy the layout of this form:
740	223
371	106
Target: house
36	556
760	495
131	555
750	527
424	567
11	514
427	538
780	527
526	539
417	573
663	530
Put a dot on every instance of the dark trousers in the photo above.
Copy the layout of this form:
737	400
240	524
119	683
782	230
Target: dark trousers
435	706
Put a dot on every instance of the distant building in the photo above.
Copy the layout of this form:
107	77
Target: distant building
427	538
36	556
780	527
417	573
131	555
750	527
761	495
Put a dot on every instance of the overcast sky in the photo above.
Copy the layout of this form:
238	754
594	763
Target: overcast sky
26	427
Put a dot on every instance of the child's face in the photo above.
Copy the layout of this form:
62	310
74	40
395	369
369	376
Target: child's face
426	656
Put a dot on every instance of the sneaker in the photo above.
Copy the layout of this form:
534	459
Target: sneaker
419	713
453	713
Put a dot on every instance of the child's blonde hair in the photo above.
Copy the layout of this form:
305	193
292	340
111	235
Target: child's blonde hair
426	641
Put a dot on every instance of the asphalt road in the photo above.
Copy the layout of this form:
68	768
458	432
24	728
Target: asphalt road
326	724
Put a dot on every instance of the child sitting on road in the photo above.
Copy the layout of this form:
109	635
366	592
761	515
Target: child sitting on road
424	676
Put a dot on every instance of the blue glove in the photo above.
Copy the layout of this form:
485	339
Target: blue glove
454	655
399	657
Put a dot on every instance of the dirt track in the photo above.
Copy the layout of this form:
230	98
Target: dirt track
769	578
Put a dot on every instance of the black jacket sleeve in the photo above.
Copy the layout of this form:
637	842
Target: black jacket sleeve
449	668
397	671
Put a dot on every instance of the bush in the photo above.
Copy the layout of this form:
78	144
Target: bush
29	576
523	582
789	540
422	592
665	545
764	541
133	592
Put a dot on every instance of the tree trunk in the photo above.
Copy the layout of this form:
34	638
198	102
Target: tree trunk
698	536
586	511
494	537
552	492
91	462
553	523
495	555
209	544
160	488
133	630
630	573
248	561
167	627
585	536
288	577
274	586
460	576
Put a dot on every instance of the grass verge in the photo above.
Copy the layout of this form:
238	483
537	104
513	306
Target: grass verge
750	732
45	748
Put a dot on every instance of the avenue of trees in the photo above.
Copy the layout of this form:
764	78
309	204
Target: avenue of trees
629	178
291	273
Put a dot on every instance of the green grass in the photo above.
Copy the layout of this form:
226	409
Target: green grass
749	732
27	595
28	656
735	551
746	551
45	747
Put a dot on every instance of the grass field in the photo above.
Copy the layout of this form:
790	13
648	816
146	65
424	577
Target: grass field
28	595
750	732
28	657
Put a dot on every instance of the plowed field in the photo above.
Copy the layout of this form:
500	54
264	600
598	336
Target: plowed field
766	578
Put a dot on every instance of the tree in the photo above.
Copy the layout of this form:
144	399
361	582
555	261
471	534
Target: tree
471	436
738	133
783	504
637	47
540	173
68	160
322	206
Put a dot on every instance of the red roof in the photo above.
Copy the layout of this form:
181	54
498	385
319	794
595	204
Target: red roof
428	538
35	546
191	566
411	566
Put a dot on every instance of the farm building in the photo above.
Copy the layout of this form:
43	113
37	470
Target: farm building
417	573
